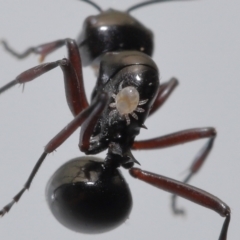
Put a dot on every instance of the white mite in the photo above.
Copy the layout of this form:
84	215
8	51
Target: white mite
127	102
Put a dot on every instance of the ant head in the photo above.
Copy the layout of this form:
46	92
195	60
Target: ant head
110	31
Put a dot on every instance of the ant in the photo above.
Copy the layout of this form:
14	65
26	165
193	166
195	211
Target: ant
89	194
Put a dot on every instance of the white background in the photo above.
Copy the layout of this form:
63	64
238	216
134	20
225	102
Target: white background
196	41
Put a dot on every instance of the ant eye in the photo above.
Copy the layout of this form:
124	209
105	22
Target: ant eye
127	100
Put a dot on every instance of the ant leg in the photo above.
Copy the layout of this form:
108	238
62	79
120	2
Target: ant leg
73	79
164	92
95	108
86	132
43	49
31	74
180	138
72	70
188	192
93	111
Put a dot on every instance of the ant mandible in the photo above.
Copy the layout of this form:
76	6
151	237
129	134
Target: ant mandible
88	194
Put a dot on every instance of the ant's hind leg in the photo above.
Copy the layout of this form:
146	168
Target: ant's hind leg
93	110
188	192
180	138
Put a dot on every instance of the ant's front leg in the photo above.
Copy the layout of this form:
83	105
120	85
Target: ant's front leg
43	50
31	74
180	138
73	78
188	192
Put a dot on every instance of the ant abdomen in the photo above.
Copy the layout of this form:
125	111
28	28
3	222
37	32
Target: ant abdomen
89	197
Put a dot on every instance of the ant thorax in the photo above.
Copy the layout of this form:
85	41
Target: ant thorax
132	89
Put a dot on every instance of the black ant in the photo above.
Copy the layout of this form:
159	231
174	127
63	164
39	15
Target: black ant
88	194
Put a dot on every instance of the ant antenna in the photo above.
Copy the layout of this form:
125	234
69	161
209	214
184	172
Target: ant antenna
93	4
142	4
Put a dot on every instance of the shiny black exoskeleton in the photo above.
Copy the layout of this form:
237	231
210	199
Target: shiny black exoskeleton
87	194
90	196
126	68
112	31
109	40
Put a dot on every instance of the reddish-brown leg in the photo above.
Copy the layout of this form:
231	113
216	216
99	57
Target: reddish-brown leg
164	92
76	100
73	79
72	70
31	74
94	110
42	50
180	138
188	192
87	130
